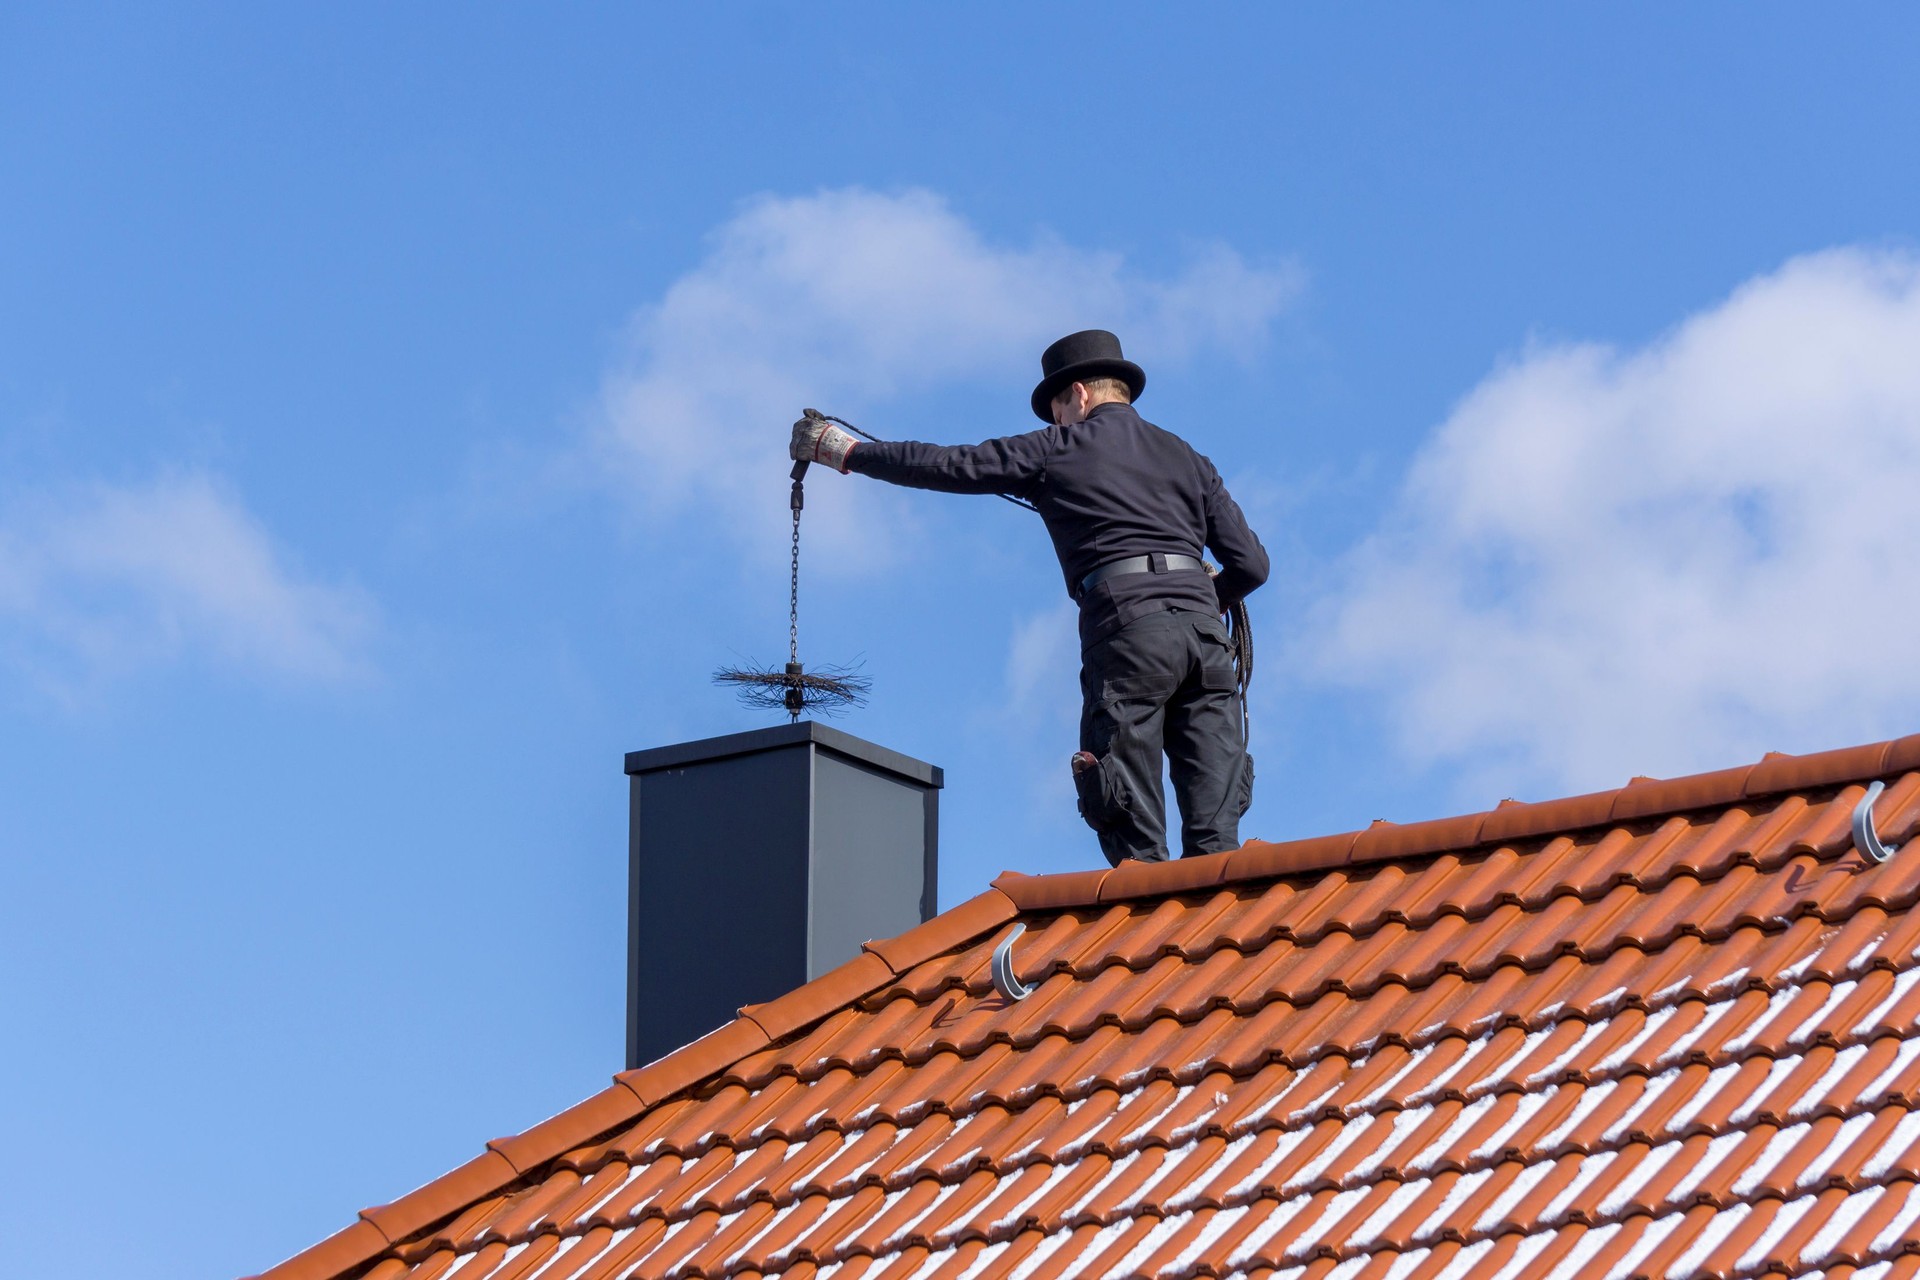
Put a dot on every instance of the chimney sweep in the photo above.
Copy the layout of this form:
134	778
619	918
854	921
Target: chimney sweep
1129	507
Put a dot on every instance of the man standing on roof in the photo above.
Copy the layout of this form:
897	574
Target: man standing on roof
1129	507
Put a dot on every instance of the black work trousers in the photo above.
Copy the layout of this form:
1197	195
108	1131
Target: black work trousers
1164	682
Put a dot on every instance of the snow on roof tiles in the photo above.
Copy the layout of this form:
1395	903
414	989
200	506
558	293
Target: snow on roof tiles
1671	1030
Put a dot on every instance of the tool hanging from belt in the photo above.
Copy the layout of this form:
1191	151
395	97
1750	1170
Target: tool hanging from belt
1239	623
1240	637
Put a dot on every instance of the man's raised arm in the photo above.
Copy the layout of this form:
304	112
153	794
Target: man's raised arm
1010	464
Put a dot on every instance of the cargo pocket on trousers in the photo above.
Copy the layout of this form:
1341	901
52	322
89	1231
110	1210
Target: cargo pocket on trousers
1217	672
1104	801
1243	787
1121	689
1220	679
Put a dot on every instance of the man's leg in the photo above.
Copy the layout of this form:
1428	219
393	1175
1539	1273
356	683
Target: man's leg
1206	751
1125	681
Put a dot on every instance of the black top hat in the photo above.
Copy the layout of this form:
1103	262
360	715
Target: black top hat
1091	353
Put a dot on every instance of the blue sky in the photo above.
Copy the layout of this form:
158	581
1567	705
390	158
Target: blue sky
391	414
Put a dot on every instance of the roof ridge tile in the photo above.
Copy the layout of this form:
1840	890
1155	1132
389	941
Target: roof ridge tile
1903	754
1134	879
605	1111
1063	889
1530	818
420	1208
1261	860
1644	798
718	1049
1822	768
1385	841
824	996
1382	841
978	914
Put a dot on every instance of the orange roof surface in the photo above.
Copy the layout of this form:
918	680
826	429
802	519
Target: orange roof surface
1668	1030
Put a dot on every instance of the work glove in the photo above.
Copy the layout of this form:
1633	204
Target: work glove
817	440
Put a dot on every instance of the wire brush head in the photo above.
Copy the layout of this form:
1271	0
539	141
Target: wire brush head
829	691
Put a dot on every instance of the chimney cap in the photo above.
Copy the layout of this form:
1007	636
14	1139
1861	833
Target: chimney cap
786	735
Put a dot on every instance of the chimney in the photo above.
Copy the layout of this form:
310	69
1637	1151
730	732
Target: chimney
761	860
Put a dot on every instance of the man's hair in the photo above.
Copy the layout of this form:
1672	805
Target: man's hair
1114	388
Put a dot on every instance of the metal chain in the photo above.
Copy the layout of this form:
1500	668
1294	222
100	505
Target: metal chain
793	591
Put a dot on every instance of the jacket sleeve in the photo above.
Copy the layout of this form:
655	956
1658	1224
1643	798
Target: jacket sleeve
1243	561
1010	464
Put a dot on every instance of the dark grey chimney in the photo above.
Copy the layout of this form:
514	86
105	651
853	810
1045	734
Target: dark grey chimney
761	860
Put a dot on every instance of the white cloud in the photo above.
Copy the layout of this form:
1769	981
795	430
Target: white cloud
100	579
1036	720
1660	560
853	298
1042	658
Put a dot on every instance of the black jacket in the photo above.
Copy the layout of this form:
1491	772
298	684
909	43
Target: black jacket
1110	487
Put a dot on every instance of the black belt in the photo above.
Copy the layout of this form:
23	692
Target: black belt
1158	562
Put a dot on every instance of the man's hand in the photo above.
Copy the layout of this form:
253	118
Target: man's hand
817	440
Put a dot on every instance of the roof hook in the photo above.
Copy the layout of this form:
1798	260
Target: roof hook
1865	838
1009	987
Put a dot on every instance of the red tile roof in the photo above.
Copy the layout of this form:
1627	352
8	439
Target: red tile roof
1669	1030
